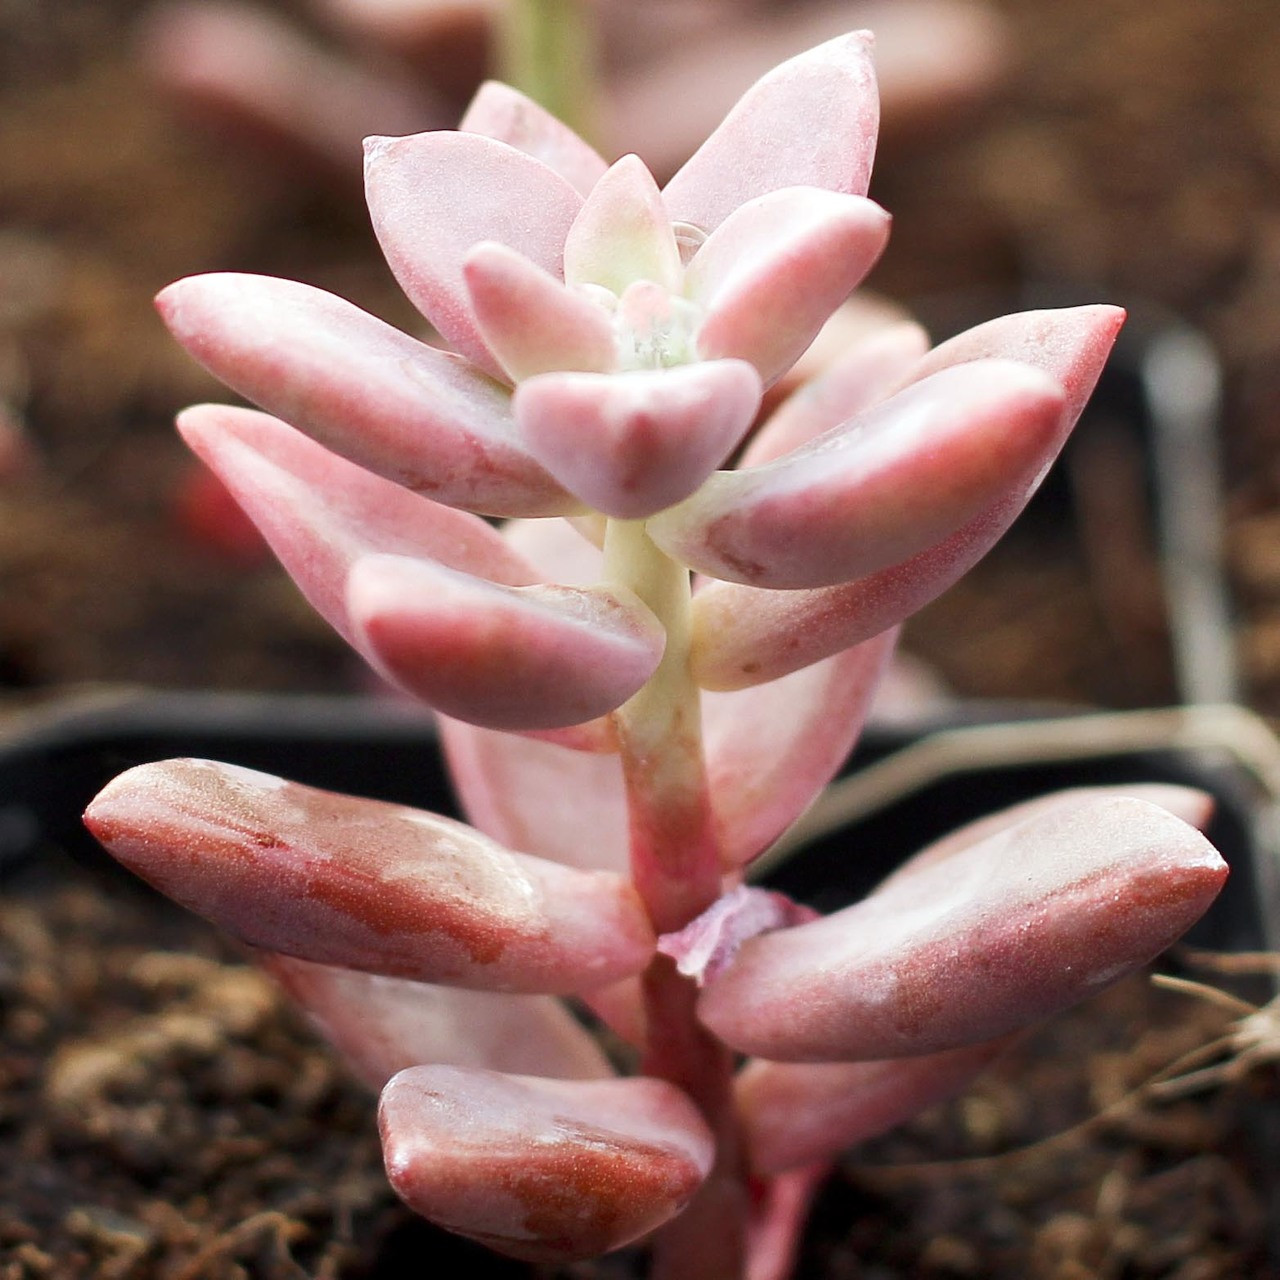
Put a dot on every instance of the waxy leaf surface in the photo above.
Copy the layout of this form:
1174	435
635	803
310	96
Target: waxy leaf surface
810	122
629	444
421	417
501	112
623	234
864	372
532	322
884	487
544	1170
426	226
363	884
773	272
795	1114
744	635
321	513
970	946
502	657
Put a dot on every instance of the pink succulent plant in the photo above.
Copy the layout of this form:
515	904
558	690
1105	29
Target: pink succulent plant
626	737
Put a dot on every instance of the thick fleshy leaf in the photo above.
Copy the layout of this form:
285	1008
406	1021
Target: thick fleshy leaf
810	122
771	275
1070	344
771	749
502	657
1190	805
320	513
367	885
383	1025
863	374
889	484
531	322
623	234
434	196
798	1113
501	112
544	1170
743	635
415	415
569	806
630	444
969	947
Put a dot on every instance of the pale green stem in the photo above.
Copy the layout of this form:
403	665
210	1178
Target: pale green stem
547	49
674	850
675	864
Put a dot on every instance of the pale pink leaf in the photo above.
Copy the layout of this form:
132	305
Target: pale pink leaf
779	1214
744	635
1191	806
623	234
1070	344
992	938
320	513
860	375
386	401
620	1007
364	884
886	486
795	1114
543	1170
434	196
382	1025
543	798
501	112
810	122
772	274
531	322
630	444
514	658
773	747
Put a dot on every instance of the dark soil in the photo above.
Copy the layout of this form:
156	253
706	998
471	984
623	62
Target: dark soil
162	1113
165	1115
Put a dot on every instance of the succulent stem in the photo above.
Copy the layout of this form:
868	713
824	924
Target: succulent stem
674	849
675	865
548	50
